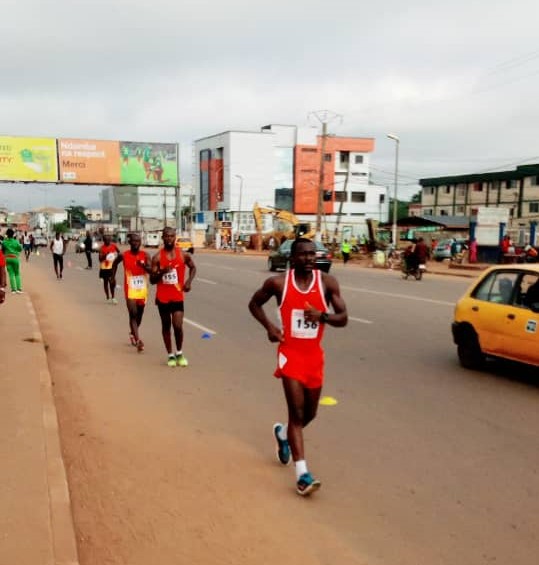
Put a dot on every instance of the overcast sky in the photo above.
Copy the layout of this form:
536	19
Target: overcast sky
458	81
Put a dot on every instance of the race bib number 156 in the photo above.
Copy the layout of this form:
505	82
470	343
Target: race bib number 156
301	328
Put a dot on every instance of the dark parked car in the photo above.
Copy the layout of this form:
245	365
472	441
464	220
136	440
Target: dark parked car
279	259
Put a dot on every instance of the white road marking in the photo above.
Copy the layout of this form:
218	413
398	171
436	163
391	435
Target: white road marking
205	281
214	266
360	320
203	328
395	295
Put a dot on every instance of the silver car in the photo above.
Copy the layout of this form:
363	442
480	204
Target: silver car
443	248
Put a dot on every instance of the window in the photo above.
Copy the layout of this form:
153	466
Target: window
478	187
461	190
428	190
308	150
528	293
344	157
448	189
534	207
427	211
340	196
443	212
358	159
535	180
460	209
496	185
497	288
381	198
358	197
327	157
359	174
511	183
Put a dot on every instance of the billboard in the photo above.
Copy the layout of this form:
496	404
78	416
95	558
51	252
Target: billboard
28	159
84	161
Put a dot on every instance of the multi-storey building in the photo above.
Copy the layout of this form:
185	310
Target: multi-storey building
144	208
279	166
462	195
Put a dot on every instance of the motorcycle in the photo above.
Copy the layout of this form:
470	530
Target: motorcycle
410	269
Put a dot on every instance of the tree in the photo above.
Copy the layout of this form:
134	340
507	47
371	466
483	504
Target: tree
61	227
76	218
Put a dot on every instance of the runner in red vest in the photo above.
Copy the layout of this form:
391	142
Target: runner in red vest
168	273
303	295
107	254
136	267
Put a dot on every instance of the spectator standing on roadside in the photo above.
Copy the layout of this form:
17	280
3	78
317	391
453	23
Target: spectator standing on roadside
88	242
346	248
504	248
12	249
58	249
2	277
472	252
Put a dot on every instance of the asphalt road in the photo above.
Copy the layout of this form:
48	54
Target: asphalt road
421	462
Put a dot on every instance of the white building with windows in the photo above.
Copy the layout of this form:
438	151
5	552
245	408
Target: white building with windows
279	166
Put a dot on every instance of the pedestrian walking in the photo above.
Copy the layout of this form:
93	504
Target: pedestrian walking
12	250
58	248
107	254
168	273
88	243
26	245
137	265
304	296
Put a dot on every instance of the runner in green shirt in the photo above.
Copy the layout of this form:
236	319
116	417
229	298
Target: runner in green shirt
12	249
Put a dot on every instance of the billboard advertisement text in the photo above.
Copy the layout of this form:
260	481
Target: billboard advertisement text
28	159
117	162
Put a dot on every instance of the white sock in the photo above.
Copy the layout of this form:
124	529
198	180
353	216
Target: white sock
171	356
301	468
178	353
283	432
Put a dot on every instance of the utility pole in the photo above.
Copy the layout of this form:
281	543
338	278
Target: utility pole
324	117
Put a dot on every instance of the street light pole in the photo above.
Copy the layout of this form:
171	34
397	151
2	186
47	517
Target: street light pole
239	203
394	230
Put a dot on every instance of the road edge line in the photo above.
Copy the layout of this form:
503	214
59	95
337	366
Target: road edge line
60	511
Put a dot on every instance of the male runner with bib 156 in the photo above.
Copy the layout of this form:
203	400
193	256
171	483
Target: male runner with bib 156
168	273
303	294
136	267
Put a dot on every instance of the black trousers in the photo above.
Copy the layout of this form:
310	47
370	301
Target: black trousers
89	258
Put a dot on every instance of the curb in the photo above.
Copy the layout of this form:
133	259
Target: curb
61	518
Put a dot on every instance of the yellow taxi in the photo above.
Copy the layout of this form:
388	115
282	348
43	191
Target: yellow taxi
186	244
499	316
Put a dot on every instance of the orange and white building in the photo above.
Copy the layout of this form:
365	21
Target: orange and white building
279	166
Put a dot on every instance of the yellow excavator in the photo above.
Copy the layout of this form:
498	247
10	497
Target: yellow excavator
287	225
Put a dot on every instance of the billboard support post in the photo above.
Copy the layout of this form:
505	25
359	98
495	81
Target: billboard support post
177	204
